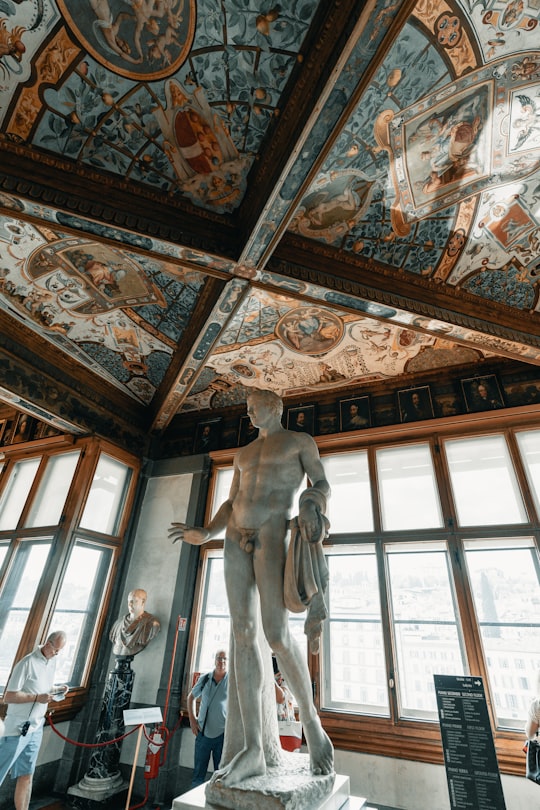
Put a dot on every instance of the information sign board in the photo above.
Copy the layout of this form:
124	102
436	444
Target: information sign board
472	771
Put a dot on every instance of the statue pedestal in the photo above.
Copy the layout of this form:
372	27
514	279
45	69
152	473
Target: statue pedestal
290	786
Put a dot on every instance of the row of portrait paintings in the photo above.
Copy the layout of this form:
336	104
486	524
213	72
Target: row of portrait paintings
414	404
24	428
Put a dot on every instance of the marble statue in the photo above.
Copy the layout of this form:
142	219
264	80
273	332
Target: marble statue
256	517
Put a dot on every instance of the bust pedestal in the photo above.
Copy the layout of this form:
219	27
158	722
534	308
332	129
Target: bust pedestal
103	778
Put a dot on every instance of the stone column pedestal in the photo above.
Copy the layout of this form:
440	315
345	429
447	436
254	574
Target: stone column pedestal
103	777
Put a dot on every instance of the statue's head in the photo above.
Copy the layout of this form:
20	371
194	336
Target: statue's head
136	601
268	398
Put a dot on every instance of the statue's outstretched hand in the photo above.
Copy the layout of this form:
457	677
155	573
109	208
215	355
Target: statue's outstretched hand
193	535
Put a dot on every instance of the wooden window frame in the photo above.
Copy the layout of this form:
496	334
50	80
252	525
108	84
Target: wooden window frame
64	536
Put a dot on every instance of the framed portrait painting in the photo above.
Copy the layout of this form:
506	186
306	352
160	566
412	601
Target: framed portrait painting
45	431
354	413
301	419
482	393
207	436
22	430
246	431
415	404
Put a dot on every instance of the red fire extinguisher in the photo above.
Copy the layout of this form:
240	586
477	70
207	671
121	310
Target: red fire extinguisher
153	754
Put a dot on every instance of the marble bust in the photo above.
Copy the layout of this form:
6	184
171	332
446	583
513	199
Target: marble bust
131	633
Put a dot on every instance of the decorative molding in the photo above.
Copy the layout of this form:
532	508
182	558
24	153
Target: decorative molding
110	199
429	309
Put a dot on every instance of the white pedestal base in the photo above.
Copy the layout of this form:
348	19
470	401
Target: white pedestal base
339	799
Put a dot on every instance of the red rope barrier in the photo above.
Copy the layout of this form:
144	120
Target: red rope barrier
88	745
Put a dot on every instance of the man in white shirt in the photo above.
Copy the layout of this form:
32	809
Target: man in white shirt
28	691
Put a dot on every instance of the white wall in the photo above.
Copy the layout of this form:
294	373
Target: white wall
153	567
407	785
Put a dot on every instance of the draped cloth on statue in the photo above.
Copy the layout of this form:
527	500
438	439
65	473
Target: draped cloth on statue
131	635
306	580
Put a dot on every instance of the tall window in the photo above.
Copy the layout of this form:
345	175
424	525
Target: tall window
62	517
434	569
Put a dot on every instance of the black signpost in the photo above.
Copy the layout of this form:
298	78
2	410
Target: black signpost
472	771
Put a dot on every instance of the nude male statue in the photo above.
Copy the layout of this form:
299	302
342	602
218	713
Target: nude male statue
267	474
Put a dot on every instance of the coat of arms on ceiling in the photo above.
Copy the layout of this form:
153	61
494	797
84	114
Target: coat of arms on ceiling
206	162
140	39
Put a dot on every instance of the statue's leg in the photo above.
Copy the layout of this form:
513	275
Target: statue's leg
243	607
269	572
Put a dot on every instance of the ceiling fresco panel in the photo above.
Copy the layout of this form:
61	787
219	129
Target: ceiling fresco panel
118	312
202	197
140	40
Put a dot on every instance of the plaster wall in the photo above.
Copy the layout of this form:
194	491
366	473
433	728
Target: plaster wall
407	785
154	566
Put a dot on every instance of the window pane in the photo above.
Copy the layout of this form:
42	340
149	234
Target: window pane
214	615
425	628
16	600
349	508
3	551
53	489
529	445
483	481
16	492
223	483
77	608
103	509
354	664
408	490
505	583
214	618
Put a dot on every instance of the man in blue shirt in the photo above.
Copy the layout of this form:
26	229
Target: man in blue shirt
209	725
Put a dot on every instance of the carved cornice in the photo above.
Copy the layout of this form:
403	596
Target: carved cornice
37	371
367	278
422	298
111	200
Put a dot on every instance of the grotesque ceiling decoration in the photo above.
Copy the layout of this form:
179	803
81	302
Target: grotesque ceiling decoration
198	197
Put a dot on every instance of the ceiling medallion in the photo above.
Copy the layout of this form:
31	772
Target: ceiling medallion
145	41
310	330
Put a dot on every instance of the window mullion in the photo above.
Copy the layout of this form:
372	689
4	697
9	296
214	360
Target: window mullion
443	483
469	622
388	634
523	481
465	607
375	494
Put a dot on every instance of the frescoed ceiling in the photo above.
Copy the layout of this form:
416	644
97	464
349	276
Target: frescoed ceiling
200	197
